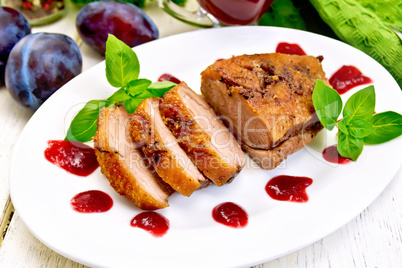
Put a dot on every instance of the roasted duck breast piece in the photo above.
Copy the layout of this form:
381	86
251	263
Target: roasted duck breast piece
270	159
266	101
161	148
265	98
201	134
126	168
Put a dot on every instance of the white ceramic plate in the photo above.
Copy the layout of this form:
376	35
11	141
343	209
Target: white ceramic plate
41	192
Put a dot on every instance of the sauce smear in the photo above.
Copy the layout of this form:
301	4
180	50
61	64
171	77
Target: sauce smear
346	78
288	188
332	155
168	77
292	49
152	222
74	157
230	214
91	201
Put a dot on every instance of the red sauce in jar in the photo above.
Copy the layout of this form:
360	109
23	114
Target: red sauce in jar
346	78
74	157
152	222
168	77
91	201
288	188
230	214
332	155
292	49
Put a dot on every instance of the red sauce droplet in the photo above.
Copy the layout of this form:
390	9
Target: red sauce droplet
346	78
292	49
332	155
168	77
230	214
288	188
152	222
91	202
74	157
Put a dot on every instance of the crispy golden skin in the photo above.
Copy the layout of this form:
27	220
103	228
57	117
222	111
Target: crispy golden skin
201	134
124	165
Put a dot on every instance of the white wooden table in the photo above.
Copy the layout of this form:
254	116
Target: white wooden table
372	239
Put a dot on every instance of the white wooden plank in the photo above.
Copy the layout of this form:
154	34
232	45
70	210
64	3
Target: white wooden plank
22	249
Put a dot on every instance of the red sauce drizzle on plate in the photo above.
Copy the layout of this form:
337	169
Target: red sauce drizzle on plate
332	155
288	188
152	222
292	49
230	214
75	157
168	77
91	201
346	78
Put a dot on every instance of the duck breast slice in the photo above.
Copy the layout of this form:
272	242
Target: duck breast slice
202	134
126	168
162	150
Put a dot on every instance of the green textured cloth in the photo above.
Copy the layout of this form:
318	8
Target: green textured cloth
364	25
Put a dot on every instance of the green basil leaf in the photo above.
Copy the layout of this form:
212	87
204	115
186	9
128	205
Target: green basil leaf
119	96
136	87
122	65
327	104
349	146
387	126
360	128
131	105
83	126
158	89
361	104
342	126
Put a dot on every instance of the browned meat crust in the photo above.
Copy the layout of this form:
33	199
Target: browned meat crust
201	133
265	98
270	159
161	148
124	166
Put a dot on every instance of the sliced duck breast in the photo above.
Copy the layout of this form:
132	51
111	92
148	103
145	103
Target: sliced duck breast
201	134
126	168
161	148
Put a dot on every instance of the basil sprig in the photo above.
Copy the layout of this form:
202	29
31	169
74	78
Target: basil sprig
359	124
122	71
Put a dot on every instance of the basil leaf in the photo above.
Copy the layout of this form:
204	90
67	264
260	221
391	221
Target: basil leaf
122	65
136	87
327	104
361	104
360	128
387	126
158	89
83	126
349	146
119	96
342	125
131	105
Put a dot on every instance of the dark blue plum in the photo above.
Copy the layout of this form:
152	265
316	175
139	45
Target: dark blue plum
39	64
13	26
124	20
